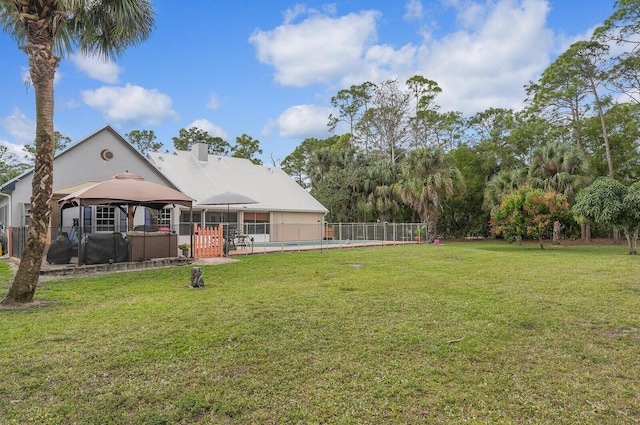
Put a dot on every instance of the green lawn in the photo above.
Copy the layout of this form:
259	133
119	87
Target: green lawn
481	332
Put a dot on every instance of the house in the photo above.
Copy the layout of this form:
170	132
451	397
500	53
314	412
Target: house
283	211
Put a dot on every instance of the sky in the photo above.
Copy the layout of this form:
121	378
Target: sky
268	69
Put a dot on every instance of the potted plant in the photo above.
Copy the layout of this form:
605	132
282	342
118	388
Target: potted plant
184	247
421	231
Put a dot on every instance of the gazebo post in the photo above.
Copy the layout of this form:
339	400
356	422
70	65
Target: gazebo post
191	231
80	226
130	214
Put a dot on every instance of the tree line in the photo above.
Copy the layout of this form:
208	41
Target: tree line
245	147
402	158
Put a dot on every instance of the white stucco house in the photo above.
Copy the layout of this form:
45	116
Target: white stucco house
283	210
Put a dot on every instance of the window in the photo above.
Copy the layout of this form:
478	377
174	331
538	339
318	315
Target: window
256	223
105	219
26	214
212	218
216	217
164	217
185	222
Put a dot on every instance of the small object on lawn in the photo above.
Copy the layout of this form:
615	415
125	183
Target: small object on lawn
197	278
436	242
453	341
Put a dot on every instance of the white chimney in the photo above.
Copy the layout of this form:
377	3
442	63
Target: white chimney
200	151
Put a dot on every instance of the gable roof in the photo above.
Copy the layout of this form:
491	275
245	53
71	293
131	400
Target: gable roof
274	189
11	184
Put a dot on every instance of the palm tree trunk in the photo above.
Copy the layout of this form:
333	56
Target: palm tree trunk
432	225
432	219
42	67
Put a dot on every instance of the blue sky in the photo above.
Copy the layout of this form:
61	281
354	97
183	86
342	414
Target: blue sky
269	69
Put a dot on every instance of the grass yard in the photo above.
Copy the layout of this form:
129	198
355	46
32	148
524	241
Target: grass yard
481	332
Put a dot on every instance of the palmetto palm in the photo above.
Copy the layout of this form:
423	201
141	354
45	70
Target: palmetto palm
46	30
559	167
378	183
501	184
427	176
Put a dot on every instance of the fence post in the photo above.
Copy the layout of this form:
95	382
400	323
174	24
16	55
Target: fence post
10	240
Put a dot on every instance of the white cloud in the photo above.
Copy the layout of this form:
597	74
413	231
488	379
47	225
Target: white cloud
17	150
303	121
563	41
292	14
97	68
470	14
415	11
130	103
21	128
320	49
209	127
213	102
499	46
384	62
489	64
269	128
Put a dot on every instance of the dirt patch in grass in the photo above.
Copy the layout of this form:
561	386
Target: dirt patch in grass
34	304
632	333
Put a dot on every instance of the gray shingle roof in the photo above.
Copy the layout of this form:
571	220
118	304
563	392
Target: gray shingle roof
270	186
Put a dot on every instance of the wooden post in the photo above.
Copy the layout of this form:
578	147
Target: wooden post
197	278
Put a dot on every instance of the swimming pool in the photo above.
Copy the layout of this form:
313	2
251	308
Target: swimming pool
317	243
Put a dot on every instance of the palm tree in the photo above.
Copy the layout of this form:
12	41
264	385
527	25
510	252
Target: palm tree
501	184
559	167
378	184
427	177
46	30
